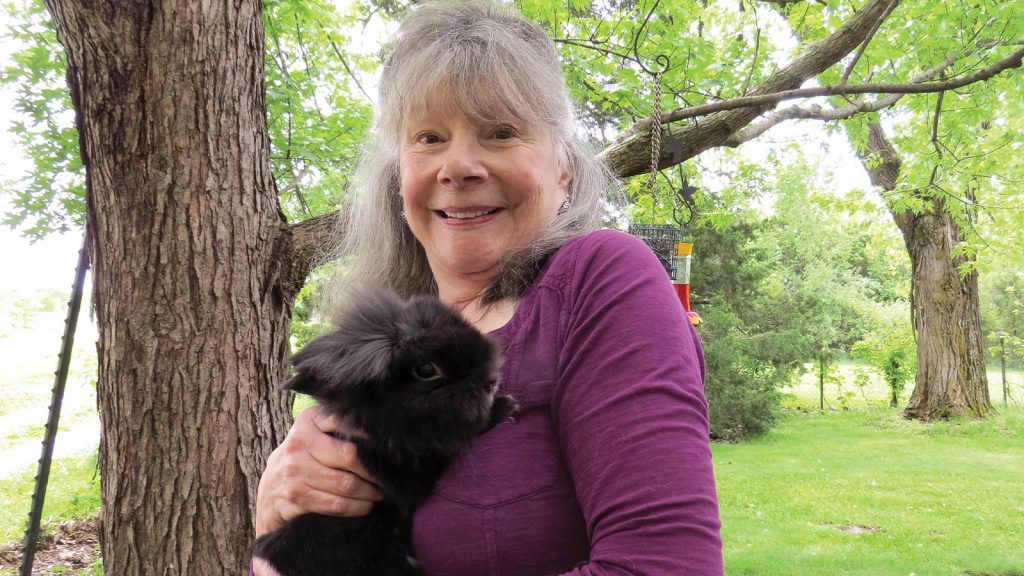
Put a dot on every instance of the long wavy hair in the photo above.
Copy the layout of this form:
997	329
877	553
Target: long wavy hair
491	62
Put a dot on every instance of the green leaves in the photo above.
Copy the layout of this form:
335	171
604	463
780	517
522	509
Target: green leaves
50	198
318	80
891	350
318	111
952	145
794	278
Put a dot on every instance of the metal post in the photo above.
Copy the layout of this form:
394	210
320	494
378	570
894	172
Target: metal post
1002	362
821	384
50	436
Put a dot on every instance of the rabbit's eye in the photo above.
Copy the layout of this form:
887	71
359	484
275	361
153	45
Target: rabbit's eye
427	372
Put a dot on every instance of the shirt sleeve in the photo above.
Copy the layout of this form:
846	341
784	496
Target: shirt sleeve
632	419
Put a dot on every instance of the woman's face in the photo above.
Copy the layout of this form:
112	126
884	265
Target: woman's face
472	191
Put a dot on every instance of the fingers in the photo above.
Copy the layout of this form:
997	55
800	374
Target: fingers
305	500
326	465
312	471
337	455
324	421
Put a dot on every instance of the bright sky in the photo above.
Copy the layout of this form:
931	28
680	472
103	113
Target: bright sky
49	264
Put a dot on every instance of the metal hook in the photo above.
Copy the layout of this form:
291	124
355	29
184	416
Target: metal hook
660	58
684	193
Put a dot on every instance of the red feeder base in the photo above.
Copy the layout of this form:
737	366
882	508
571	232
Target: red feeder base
683	292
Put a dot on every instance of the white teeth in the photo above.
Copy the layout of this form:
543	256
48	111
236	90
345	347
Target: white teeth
467	214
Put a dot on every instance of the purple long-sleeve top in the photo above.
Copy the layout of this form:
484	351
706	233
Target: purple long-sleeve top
606	469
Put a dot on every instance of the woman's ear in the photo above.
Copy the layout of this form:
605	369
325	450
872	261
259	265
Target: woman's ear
566	175
564	180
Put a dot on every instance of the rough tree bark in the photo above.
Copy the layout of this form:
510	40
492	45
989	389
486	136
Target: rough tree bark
951	378
194	273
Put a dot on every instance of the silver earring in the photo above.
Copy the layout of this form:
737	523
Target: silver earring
564	207
403	215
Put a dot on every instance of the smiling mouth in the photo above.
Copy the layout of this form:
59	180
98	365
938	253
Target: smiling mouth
468	215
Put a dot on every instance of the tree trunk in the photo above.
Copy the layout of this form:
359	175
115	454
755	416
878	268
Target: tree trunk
951	378
191	263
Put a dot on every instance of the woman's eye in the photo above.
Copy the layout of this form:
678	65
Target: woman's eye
505	133
427	372
427	138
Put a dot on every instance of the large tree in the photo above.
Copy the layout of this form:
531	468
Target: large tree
935	218
194	274
196	265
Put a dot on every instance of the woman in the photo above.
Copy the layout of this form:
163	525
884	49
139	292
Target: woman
476	189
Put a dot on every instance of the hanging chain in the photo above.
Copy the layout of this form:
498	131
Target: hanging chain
655	139
664	62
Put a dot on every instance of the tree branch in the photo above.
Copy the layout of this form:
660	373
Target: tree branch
757	53
311	242
790	2
592	46
812	112
679	143
884	165
1011	62
688	141
344	62
817	112
935	124
864	44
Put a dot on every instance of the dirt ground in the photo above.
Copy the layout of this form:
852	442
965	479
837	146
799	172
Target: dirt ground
66	548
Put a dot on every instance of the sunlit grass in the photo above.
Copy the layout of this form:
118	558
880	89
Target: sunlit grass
30	340
35	432
869	493
73	491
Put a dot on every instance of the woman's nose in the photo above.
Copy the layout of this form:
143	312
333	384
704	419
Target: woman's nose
463	163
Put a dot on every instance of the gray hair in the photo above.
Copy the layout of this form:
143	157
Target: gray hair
491	62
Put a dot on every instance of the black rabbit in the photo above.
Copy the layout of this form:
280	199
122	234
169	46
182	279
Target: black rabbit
419	383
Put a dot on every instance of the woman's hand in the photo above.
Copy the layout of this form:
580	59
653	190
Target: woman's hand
312	471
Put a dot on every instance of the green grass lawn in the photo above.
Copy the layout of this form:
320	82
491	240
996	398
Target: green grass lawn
868	493
73	491
30	340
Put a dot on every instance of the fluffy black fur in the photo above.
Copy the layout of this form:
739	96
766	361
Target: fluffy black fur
419	383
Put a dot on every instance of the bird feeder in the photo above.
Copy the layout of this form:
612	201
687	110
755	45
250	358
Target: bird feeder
683	251
674	254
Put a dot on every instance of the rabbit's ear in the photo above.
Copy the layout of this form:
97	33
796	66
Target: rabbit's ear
370	361
305	383
315	363
333	363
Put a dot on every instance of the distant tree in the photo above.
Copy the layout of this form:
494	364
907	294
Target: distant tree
750	351
891	350
777	293
958	146
1004	313
933	176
